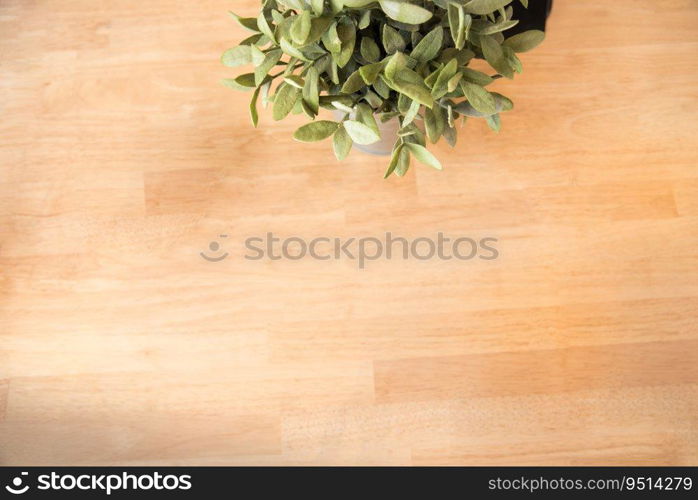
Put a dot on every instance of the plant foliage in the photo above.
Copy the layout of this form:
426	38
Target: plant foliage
383	59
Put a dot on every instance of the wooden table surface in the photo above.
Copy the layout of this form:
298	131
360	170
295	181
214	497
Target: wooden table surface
122	158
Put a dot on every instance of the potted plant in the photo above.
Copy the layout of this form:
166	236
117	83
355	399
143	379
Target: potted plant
394	72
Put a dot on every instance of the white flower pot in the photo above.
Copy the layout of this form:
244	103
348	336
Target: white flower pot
384	147
388	132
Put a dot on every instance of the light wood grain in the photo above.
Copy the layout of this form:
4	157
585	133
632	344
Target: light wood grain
121	158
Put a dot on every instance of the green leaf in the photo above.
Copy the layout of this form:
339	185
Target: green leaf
248	23
435	123
424	156
503	102
416	37
495	55
467	22
316	131
264	27
311	92
347	34
466	109
257	55
465	56
408	74
403	103
342	143
382	88
336	6
318	27
512	59
370	73
392	40
395	159
525	41
254	114
300	30
251	40
430	46
340	106
284	101
334	72
270	60
403	163
481	100
370	50
405	12
307	110
374	99
237	56
295	4
265	93
243	82
292	51
407	131
430	80
355	4
360	133
283	27
452	12
450	116
397	62
295	80
415	92
453	82
277	16
411	113
494	122
328	101
477	77
481	7
298	107
354	83
331	40
441	86
365	20
364	114
502	25
456	23
318	6
451	136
